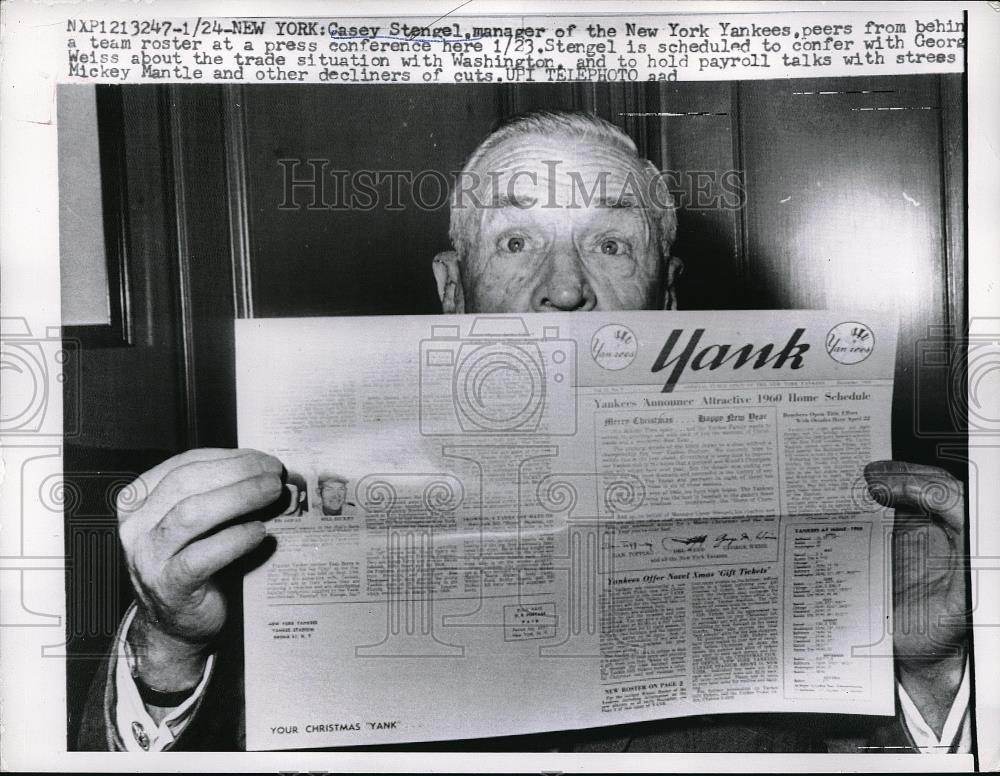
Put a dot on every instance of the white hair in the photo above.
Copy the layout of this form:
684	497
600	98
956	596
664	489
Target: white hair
464	226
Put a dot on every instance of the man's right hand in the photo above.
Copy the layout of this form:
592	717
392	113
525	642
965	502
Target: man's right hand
179	524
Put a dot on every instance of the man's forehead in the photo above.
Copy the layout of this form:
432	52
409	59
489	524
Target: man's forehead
531	160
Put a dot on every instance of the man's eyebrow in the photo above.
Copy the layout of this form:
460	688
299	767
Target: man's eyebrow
512	200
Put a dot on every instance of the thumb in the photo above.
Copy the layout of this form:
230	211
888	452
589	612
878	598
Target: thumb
927	489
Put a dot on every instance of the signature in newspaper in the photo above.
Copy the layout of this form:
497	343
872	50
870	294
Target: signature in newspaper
632	547
744	541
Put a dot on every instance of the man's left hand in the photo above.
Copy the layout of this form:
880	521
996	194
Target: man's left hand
929	579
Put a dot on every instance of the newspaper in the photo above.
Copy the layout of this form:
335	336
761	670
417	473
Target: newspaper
513	524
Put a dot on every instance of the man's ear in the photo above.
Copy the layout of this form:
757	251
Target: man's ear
675	268
448	274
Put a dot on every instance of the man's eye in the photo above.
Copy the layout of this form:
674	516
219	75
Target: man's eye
515	244
610	247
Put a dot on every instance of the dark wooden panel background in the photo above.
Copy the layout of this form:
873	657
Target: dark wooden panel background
853	197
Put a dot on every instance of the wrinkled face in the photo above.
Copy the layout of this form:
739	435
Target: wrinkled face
333	494
563	229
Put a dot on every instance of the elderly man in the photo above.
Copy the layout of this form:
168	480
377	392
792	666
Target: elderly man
554	212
